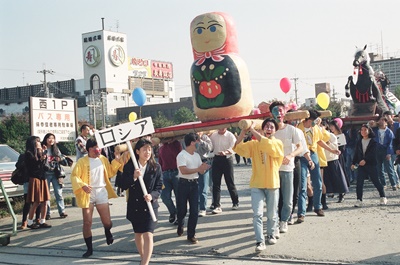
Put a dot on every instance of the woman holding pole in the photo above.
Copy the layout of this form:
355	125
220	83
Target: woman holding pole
138	211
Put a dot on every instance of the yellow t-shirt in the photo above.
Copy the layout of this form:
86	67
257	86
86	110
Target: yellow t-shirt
323	162
266	158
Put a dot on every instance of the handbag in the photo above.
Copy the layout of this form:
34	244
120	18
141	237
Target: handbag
69	161
18	177
59	171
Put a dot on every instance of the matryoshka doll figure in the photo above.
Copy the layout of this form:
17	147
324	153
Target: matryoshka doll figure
219	77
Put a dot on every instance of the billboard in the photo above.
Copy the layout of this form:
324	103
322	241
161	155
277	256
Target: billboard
140	68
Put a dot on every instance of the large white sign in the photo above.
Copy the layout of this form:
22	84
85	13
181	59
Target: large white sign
53	115
124	132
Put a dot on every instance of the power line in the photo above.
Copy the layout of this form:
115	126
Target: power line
46	89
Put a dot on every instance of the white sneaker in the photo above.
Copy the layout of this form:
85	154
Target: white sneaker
359	204
202	213
260	246
283	227
383	201
217	210
277	235
271	240
291	220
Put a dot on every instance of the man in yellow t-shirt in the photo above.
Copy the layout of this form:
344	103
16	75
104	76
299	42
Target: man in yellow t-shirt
266	153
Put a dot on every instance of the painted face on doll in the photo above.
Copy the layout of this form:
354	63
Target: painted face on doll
208	32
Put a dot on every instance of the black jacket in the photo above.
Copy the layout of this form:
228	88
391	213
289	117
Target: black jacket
137	206
35	168
370	153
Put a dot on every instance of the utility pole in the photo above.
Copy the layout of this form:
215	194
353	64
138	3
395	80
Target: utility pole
46	89
295	89
93	105
103	97
334	95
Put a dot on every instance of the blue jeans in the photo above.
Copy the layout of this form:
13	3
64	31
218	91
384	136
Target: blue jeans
285	195
170	181
188	192
203	190
349	154
316	184
385	165
396	169
257	204
51	178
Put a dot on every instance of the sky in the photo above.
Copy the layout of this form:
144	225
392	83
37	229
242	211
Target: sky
313	41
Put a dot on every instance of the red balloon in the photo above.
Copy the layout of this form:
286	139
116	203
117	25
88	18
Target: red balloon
285	84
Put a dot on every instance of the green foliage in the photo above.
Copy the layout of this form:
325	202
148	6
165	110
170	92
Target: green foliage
397	92
67	148
161	121
184	115
14	130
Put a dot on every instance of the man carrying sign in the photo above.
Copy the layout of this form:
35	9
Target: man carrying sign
92	187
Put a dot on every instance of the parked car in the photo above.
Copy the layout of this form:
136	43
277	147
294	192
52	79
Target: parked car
8	158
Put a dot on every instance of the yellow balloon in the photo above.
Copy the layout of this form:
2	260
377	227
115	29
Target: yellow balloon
132	116
323	100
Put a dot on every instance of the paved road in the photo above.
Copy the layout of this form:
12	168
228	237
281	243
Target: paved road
345	235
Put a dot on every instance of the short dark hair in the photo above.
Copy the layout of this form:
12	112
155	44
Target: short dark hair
83	127
191	137
274	104
91	142
314	114
270	120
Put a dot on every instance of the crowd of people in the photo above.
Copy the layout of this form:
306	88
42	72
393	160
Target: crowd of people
295	163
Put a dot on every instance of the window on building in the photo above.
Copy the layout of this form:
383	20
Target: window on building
115	98
95	82
123	98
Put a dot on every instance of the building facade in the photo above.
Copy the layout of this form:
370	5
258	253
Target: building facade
110	77
390	67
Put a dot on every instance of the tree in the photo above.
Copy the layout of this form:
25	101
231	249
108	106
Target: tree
14	130
397	92
161	121
183	115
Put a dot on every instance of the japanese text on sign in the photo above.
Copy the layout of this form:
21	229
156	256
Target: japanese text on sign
124	132
53	115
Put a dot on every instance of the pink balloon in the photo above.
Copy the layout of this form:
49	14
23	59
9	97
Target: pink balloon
285	84
256	111
339	122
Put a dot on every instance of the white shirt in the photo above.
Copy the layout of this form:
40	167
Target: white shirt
290	137
223	142
365	143
333	144
96	173
190	162
381	133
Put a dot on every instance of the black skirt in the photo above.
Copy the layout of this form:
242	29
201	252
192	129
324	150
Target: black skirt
334	178
142	221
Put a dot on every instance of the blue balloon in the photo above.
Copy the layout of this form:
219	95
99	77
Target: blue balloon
139	96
